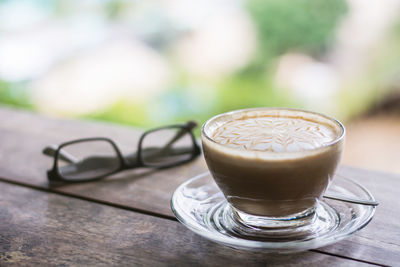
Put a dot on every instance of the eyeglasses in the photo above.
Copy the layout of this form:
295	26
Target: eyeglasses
91	159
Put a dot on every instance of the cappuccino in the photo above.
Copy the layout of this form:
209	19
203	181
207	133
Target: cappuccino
272	162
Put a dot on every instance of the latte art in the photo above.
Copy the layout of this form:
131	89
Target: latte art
276	134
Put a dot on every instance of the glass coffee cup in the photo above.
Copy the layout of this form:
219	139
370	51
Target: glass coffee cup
273	165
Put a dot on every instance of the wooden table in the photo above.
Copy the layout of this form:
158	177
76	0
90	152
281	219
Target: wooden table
126	219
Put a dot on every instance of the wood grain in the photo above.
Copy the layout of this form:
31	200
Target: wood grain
42	229
23	136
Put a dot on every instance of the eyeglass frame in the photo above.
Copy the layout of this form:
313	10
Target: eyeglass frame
53	174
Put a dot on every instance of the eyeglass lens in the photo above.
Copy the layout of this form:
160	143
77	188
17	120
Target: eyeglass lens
90	159
167	146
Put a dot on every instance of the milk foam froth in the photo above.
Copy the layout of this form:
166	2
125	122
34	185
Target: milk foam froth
274	133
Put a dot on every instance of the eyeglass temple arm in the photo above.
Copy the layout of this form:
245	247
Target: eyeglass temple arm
63	155
189	125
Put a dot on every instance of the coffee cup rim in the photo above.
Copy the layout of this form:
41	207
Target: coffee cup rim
229	113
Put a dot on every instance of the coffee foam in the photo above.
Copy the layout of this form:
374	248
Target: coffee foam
275	134
271	134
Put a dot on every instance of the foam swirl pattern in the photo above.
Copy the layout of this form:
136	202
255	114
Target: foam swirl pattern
275	134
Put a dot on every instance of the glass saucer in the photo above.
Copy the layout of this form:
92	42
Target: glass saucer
200	205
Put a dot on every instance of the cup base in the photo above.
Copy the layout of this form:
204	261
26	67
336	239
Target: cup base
311	223
272	223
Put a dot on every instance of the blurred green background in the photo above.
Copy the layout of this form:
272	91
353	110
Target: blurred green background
149	63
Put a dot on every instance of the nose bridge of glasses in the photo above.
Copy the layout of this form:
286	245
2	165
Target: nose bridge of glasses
131	160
